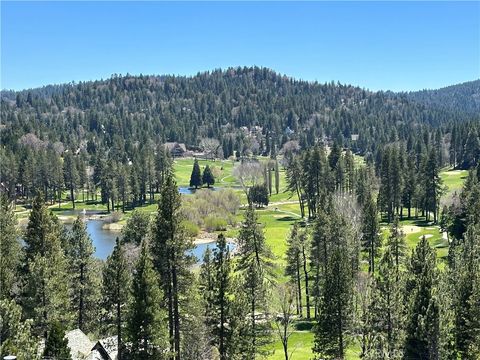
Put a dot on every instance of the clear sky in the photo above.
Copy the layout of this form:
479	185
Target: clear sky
376	45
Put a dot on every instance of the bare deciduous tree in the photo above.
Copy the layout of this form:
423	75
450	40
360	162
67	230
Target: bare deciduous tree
212	148
248	173
284	319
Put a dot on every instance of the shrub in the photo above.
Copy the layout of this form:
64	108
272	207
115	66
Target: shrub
213	223
114	217
205	204
191	228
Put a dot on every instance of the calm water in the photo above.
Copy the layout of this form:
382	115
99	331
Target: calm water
189	191
200	249
104	240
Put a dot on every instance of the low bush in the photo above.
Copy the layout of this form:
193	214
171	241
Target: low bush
114	217
191	228
213	223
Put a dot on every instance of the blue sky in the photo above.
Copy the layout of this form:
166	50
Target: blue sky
376	45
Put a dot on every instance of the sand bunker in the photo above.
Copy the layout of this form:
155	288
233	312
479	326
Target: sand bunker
410	229
427	236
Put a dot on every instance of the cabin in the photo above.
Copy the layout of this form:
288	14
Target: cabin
176	149
82	348
105	349
79	343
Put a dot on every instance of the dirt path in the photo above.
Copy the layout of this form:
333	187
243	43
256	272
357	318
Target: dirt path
287	212
286	202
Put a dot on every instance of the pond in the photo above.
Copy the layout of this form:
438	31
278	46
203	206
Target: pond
201	248
189	191
104	240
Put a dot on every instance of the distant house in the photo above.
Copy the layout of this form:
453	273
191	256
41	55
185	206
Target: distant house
82	348
354	137
176	149
79	343
105	349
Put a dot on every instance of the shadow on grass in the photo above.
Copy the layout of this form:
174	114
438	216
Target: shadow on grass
287	218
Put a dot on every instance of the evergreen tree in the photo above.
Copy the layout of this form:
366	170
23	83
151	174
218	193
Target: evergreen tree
389	307
334	299
146	325
207	286
396	245
116	287
196	177
170	245
136	227
304	243
258	194
335	307
207	177
319	253
84	276
222	298
433	186
255	266
294	184
385	195
56	345
277	177
410	186
10	250
370	230
467	277
70	173
422	328
293	266
16	335
47	283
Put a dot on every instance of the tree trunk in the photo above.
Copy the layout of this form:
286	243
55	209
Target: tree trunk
307	293
171	331
72	196
81	305
176	314
299	287
119	321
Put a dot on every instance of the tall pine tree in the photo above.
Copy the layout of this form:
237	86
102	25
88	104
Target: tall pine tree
116	294
85	277
255	265
170	245
146	328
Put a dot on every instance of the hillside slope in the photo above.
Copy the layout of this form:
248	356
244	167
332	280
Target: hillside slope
250	109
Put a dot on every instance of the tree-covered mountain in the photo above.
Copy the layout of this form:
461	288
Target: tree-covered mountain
228	105
462	97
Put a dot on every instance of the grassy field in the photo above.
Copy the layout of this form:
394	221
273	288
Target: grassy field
453	180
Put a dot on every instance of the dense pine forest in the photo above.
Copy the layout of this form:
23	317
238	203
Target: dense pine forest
341	223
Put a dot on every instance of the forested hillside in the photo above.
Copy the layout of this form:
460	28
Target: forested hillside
123	110
457	98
